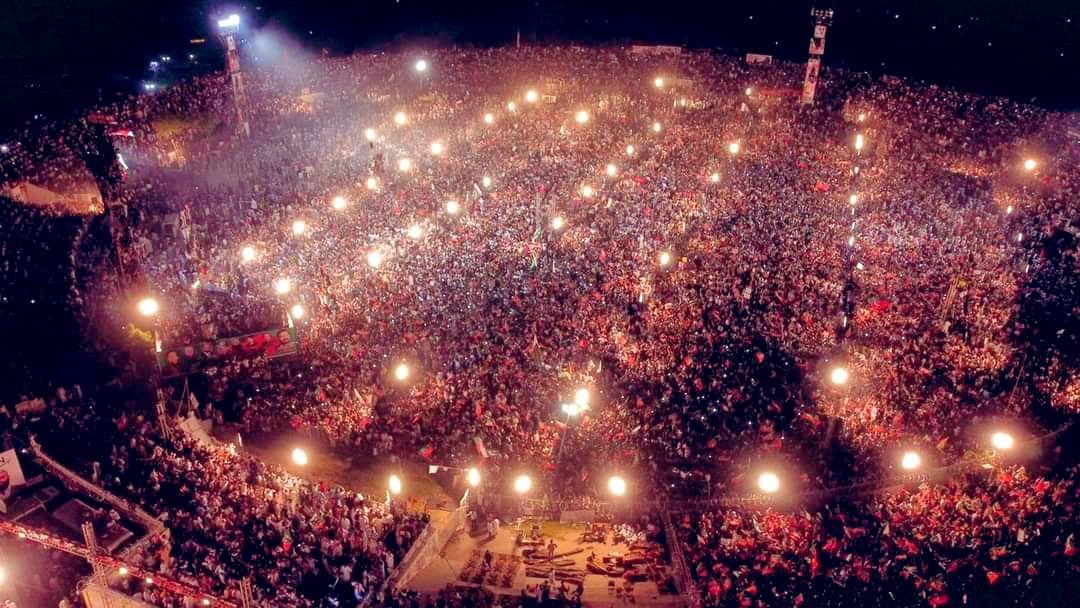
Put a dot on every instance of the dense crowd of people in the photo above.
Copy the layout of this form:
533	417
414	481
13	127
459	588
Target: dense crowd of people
458	251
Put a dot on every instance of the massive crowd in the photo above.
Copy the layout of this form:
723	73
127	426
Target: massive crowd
673	232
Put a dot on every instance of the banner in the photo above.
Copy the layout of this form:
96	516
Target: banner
756	59
11	473
188	359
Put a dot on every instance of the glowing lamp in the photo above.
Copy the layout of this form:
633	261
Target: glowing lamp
581	117
299	457
338	203
401	372
400	118
839	376
617	485
375	258
768	483
522	484
394	485
148	307
247	253
473	476
1002	440
415	232
282	286
531	96
299	227
910	461
453	207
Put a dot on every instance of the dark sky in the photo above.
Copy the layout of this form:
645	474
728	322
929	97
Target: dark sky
57	53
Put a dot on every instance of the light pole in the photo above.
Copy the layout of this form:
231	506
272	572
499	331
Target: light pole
228	28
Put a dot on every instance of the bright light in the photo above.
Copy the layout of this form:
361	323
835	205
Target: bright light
733	147
415	231
531	96
862	116
148	307
247	253
859	266
3	576
1030	164
283	286
372	183
473	476
401	372
839	375
581	117
400	118
656	127
587	191
630	150
370	134
1009	210
570	409
611	170
910	461
375	258
617	485
436	148
421	66
749	91
768	483
522	484
486	182
453	207
229	22
297	311
149	580
299	457
299	227
123	571
338	203
394	485
665	258
851	241
714	178
489	118
1002	440
582	396
658	83
558	222
854	198
404	164
511	106
859	142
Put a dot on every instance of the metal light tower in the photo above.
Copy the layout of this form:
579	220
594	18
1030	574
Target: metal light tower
822	20
228	28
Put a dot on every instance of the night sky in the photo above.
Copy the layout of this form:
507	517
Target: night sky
56	55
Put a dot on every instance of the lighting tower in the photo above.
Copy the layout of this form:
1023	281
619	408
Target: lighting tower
229	27
822	20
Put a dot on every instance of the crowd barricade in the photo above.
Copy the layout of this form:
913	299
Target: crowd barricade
681	573
154	527
429	544
96	595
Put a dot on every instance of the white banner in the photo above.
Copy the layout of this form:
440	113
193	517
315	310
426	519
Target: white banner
9	464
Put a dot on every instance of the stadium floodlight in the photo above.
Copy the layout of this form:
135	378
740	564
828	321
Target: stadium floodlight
611	170
297	311
1030	164
437	148
370	134
630	150
557	222
453	207
587	191
582	397
400	118
531	96
404	165
421	66
617	485
664	258
656	127
511	106
375	258
749	91
658	83
859	141
581	117
839	376
1002	440
768	482
299	227
473	476
372	183
401	372
283	286
714	178
522	484
339	203
415	231
910	461
853	199
247	253
148	307
486	181
299	457
230	23
733	148
489	118
394	485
